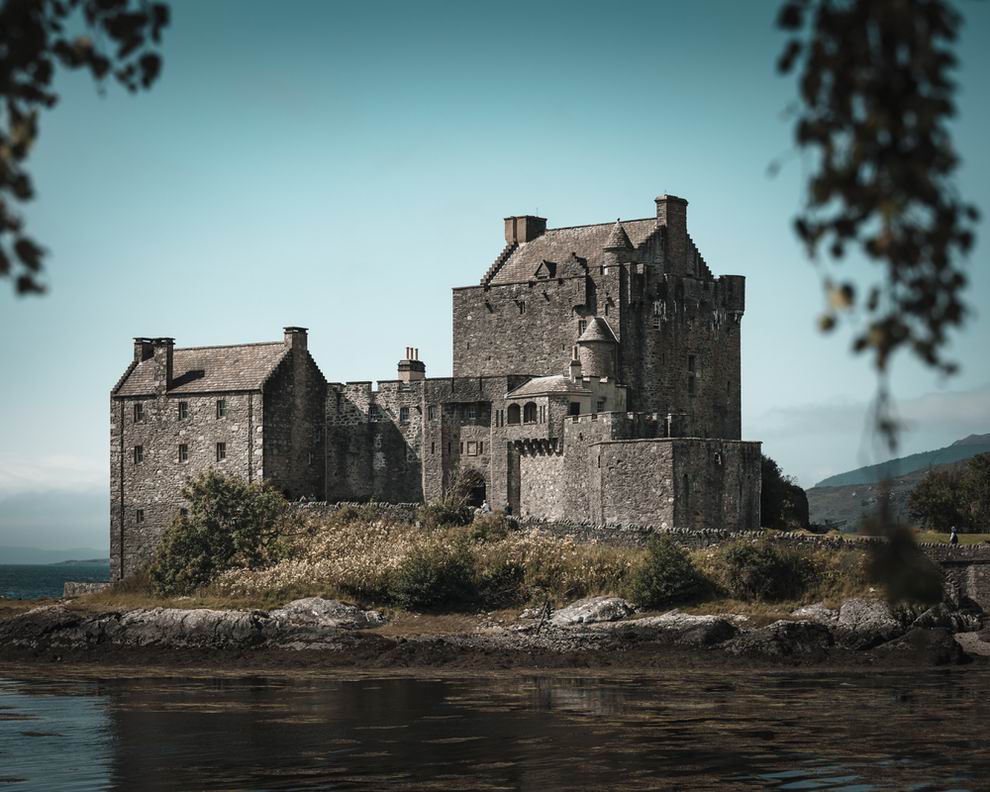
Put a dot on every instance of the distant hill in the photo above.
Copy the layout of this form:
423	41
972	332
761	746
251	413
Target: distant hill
843	501
897	468
84	562
35	555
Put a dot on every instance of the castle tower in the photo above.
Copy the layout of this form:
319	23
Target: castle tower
617	246
597	349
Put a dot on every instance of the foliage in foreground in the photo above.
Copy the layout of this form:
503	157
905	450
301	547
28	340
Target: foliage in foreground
230	523
783	504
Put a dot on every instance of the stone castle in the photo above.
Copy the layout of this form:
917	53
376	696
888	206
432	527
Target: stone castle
596	378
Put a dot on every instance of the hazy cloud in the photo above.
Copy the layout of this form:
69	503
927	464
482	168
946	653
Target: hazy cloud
48	473
814	441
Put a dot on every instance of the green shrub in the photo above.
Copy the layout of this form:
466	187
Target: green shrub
666	576
763	571
501	585
230	524
434	578
489	527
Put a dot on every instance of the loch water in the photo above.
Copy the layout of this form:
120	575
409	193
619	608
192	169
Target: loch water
734	730
34	581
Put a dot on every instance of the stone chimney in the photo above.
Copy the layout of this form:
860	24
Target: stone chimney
143	349
296	338
524	228
411	368
574	369
672	213
163	350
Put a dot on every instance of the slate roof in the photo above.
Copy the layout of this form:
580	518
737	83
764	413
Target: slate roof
541	386
598	329
618	238
242	367
557	244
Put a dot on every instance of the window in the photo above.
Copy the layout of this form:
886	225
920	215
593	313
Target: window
691	363
574	408
601	405
138	455
221	408
481	447
433	448
513	414
431	412
138	412
221	452
691	386
462	448
472	448
183	512
404	415
183	410
529	413
139	516
374	412
582	326
471	412
183	452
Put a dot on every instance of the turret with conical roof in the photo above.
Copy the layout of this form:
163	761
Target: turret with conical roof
597	348
617	247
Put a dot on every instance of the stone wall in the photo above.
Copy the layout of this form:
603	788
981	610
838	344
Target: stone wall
153	485
294	416
518	328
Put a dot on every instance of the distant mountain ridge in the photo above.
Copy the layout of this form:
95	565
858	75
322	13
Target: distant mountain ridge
35	555
896	468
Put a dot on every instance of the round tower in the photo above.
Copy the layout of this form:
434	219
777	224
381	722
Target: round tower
597	349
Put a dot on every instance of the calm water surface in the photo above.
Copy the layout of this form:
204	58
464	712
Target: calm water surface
32	581
921	731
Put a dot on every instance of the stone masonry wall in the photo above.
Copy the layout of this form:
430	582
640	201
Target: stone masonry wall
294	417
153	485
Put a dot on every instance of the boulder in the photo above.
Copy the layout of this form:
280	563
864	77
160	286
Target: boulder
943	616
865	623
591	611
330	614
817	612
920	646
677	627
796	639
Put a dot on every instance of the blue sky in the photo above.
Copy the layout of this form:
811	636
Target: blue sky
342	166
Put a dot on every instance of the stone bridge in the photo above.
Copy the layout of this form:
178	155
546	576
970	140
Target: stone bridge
967	570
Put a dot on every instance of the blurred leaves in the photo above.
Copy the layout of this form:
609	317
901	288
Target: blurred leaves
112	39
876	89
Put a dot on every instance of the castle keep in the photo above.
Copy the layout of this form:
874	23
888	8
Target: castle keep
596	378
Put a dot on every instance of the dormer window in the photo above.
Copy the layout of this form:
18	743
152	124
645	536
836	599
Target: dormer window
546	270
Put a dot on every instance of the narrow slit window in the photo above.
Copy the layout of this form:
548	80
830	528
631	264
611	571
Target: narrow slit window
183	452
221	452
138	454
139	516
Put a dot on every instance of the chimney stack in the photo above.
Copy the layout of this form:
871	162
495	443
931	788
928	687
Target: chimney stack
672	213
524	228
163	352
574	369
143	349
411	368
295	338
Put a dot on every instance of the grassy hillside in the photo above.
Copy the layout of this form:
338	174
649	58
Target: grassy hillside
904	466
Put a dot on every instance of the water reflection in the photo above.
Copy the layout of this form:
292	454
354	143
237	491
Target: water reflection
733	731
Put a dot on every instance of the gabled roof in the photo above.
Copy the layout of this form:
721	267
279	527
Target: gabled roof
242	367
618	239
598	329
557	244
543	386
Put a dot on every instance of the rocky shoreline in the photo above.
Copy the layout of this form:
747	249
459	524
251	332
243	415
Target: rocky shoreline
600	632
